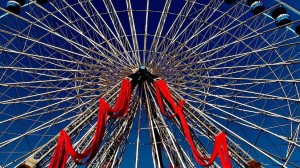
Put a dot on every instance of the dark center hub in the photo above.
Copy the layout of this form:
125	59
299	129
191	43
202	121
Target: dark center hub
141	76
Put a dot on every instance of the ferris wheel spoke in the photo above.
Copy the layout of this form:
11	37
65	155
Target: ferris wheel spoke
29	86
78	124
250	94
219	49
55	109
206	11
26	37
146	32
256	46
268	96
83	143
52	78
77	45
118	26
106	149
199	29
117	160
262	111
38	58
270	73
73	27
269	155
240	55
258	65
41	98
47	124
153	48
177	155
209	130
36	121
243	77
132	24
29	114
117	137
225	87
43	126
291	147
247	123
225	30
29	83
80	144
114	50
80	30
33	79
56	69
53	60
177	24
47	93
157	162
137	153
60	50
108	29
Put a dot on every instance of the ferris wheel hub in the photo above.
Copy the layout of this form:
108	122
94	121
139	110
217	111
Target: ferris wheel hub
141	75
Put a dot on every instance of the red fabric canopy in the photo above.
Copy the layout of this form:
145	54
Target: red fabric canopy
64	145
220	147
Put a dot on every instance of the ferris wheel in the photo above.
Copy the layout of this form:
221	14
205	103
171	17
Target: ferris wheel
235	63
